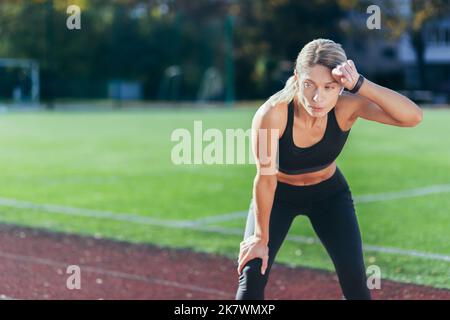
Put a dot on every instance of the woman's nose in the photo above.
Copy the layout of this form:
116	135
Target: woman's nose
318	97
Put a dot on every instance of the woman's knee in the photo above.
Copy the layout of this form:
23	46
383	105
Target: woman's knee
251	282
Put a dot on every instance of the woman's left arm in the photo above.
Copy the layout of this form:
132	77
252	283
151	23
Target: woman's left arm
377	103
396	105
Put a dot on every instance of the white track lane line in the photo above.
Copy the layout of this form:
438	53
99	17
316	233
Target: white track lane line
367	198
112	273
220	218
407	193
181	224
89	213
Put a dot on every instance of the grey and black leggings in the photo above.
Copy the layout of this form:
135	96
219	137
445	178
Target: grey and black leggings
330	208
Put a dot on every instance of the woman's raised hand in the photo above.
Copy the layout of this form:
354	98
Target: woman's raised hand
346	74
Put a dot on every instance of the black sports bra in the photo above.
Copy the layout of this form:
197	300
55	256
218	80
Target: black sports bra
295	160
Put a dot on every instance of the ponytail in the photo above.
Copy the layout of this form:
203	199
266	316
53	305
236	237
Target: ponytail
286	94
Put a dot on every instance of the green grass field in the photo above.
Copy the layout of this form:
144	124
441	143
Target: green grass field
121	162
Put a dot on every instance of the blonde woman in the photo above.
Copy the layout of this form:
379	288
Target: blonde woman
312	119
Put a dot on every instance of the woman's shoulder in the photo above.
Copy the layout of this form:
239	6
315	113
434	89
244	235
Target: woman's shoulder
271	116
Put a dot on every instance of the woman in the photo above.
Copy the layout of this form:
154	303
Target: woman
312	120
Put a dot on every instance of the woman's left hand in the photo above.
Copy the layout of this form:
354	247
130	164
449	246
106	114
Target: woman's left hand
346	74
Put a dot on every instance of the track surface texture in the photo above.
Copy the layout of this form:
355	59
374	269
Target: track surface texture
34	262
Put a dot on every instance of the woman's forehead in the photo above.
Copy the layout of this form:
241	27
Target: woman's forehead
318	74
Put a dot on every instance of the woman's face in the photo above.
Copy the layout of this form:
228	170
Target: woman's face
318	89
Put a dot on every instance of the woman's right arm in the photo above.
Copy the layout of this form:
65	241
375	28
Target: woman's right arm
263	194
265	134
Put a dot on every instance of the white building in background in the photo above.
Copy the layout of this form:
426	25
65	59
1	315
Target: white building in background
395	61
437	55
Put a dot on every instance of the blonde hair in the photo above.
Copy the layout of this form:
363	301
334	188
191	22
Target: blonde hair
318	51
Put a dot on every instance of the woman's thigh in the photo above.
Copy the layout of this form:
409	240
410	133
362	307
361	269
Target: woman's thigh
280	221
251	281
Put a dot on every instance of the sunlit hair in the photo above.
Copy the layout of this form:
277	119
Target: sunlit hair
320	51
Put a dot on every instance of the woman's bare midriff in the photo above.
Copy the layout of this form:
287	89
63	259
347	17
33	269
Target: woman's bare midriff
309	178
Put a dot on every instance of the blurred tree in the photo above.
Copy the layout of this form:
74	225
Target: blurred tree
269	32
140	39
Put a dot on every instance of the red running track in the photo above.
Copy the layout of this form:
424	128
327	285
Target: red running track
33	265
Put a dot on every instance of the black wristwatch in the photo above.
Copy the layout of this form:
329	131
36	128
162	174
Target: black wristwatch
357	85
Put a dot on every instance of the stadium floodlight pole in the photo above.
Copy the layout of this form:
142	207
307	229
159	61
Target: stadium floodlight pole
50	54
175	92
229	63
